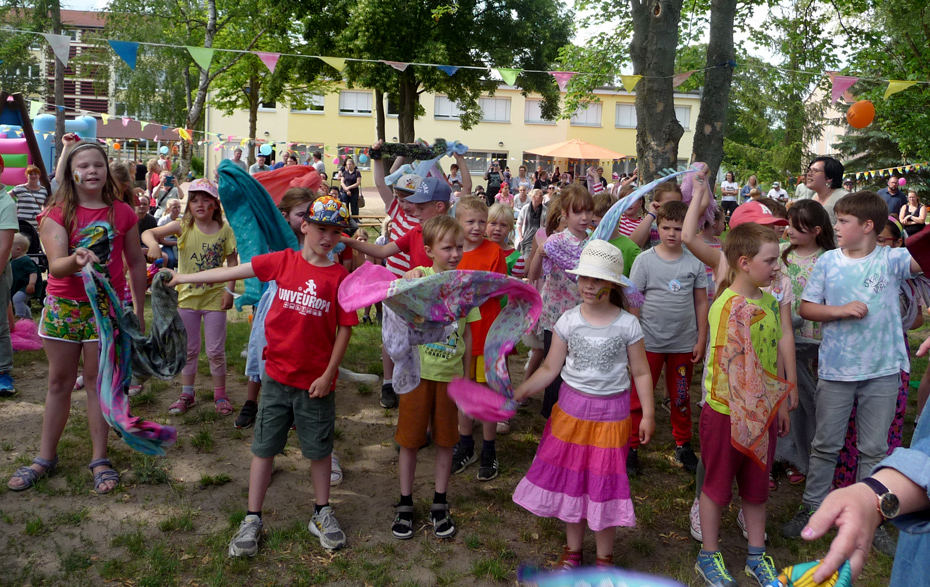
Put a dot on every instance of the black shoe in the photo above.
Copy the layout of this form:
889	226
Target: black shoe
796	524
461	458
632	462
388	397
366	320
488	469
684	455
246	416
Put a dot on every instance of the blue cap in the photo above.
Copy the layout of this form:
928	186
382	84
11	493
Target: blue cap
431	189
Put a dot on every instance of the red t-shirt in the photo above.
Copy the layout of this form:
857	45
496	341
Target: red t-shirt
487	257
92	230
412	244
401	224
301	324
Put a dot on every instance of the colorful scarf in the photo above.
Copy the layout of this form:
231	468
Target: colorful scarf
752	393
114	373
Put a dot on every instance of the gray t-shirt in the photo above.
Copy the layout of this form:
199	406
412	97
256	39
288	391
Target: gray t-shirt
668	316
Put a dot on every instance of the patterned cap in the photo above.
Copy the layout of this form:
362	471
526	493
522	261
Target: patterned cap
329	211
408	183
204	185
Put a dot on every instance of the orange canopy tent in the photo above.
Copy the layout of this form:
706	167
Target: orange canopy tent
576	149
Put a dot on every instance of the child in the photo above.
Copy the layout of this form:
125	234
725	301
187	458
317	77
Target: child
710	234
742	413
853	292
579	473
629	249
440	362
358	259
674	321
810	235
308	336
85	224
25	276
646	234
500	227
204	242
9	227
504	196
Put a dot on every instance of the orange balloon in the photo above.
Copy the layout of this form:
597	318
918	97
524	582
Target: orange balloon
861	114
117	146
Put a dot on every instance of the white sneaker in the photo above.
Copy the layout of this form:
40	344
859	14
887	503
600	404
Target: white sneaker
741	522
245	542
335	476
695	516
325	527
353	377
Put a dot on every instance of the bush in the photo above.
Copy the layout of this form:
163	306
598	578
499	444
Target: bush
197	166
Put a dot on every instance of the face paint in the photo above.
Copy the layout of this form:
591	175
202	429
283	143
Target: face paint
77	177
603	293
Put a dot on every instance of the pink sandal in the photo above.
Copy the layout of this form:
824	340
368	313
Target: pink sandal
223	406
184	403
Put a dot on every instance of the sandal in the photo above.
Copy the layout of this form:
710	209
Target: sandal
103	476
79	383
604	561
773	484
402	528
30	476
570	559
223	406
443	526
134	390
184	403
795	477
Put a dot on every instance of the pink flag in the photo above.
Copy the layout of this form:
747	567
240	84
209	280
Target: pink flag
682	78
841	83
562	78
398	65
126	120
269	59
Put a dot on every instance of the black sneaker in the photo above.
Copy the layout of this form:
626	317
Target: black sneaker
796	524
632	462
488	469
388	397
461	458
246	417
684	455
884	543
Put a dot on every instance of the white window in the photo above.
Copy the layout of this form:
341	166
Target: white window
683	114
267	106
479	162
354	152
393	108
446	109
534	113
355	103
590	116
495	109
314	104
626	116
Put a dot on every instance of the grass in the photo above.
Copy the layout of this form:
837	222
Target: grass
203	440
214	480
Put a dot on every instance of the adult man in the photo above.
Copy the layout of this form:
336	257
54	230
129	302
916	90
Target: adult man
260	166
848	184
139	170
776	193
318	164
282	161
893	196
237	159
824	177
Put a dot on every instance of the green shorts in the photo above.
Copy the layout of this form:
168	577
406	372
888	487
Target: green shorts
68	320
315	418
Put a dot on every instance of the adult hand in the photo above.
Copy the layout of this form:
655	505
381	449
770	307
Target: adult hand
852	510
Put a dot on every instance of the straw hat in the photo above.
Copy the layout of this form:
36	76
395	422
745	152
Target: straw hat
600	260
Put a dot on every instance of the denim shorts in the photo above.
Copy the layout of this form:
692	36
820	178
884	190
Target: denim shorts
315	419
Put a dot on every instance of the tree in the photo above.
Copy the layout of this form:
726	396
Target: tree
19	69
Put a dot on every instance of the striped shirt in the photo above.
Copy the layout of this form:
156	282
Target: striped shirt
29	203
628	225
400	224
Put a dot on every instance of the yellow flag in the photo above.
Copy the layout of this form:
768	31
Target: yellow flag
105	118
243	142
184	134
337	63
895	86
630	81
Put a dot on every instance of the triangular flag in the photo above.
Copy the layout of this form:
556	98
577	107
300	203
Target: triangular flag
337	63
127	51
61	45
509	75
45	135
105	117
681	78
61	108
126	120
629	81
164	129
143	125
562	78
398	65
243	142
895	86
34	108
182	132
269	59
449	69
202	56
841	83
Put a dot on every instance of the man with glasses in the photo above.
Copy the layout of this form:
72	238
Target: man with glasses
893	196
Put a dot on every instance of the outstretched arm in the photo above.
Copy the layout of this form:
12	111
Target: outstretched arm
690	231
218	275
376	251
464	173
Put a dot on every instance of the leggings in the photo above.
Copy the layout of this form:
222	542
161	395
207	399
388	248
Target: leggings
21	304
214	329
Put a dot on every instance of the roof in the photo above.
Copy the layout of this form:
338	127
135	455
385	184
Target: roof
114	129
83	18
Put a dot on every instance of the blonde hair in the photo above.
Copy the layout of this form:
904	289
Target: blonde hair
471	204
22	241
188	221
501	213
66	197
295	197
439	227
745	240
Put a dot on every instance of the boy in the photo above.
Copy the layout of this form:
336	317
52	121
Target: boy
630	250
307	335
440	362
674	321
646	234
25	276
853	292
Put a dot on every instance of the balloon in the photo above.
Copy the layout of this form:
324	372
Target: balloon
117	146
164	150
265	150
336	161
902	182
861	114
363	158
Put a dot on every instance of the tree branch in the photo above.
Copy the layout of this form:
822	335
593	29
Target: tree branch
237	57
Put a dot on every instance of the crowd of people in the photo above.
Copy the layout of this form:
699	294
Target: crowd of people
665	291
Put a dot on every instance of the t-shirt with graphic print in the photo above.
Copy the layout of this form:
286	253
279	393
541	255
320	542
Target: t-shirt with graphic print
856	350
93	230
198	252
301	324
442	361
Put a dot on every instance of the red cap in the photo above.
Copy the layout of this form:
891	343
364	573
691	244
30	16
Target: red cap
755	212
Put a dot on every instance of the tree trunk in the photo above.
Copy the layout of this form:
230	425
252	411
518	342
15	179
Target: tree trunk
407	90
653	48
59	81
712	120
254	91
379	115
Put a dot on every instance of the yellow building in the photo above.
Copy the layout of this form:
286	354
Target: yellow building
343	122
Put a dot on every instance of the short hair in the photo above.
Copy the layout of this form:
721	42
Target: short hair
864	206
471	204
21	240
666	187
777	209
32	169
746	240
501	213
755	193
171	202
576	198
673	211
439	227
317	155
834	171
602	203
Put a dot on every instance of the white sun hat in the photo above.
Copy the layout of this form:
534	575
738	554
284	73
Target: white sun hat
600	260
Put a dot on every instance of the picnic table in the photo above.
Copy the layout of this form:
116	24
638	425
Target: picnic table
369	220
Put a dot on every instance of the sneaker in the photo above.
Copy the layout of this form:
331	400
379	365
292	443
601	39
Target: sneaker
6	385
713	570
325	527
503	427
741	522
134	390
884	543
462	458
796	524
246	417
488	469
335	476
388	397
245	542
695	517
632	462
443	524
762	569
684	455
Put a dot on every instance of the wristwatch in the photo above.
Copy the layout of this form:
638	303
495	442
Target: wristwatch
888	504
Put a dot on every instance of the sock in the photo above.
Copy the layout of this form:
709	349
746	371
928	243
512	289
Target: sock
219	393
467	442
187	390
707	553
488	447
250	513
755	552
406	500
317	508
388	382
439	497
249	402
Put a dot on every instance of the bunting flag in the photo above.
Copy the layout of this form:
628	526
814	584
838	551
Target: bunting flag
143	125
841	83
337	63
105	117
202	56
895	86
629	81
126	120
269	59
184	134
61	45
448	69
244	142
682	78
164	129
127	51
562	78
509	75
34	109
398	65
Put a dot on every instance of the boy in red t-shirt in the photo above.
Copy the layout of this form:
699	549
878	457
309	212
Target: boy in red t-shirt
299	377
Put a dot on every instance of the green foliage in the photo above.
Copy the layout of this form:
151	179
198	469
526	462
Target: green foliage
197	165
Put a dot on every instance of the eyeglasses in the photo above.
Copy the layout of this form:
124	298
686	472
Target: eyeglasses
812	170
885	240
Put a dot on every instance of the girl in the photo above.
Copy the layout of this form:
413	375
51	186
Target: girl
153	176
579	473
710	234
85	223
358	259
500	227
729	190
204	242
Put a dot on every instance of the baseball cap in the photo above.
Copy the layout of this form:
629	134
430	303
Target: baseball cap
431	189
776	184
408	182
329	211
755	212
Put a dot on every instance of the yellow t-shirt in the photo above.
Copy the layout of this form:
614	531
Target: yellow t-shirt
198	252
442	360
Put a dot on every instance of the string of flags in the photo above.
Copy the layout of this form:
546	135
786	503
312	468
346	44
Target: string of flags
900	170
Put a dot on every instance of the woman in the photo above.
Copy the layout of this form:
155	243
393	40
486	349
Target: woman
494	178
531	218
291	160
542	181
351	182
556	175
164	191
455	178
30	197
913	215
730	189
752	184
153	177
521	180
824	177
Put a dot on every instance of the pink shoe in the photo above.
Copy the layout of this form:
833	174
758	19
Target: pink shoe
184	403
